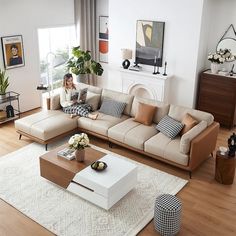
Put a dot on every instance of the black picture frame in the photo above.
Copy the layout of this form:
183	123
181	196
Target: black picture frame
149	42
13	51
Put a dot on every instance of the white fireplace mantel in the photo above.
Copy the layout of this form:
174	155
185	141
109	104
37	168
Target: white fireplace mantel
145	84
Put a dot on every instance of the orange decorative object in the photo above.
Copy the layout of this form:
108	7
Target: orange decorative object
103	46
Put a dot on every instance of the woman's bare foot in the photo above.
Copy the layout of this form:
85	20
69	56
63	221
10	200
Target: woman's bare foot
93	116
72	115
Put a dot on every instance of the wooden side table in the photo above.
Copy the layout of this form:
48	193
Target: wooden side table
224	168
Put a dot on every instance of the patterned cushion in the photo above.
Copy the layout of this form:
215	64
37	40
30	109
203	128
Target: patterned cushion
169	127
112	107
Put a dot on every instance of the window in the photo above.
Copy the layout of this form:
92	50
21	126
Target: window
54	48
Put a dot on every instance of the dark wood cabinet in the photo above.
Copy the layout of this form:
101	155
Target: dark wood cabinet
217	95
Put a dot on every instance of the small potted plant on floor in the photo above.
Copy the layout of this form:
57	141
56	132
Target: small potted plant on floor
3	84
82	64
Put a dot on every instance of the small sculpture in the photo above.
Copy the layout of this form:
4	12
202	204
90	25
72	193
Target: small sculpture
232	145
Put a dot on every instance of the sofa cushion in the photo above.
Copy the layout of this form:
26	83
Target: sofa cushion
189	122
156	145
46	124
91	88
137	136
169	127
119	131
172	153
162	108
55	102
178	113
145	113
101	124
93	99
118	96
166	148
190	135
112	107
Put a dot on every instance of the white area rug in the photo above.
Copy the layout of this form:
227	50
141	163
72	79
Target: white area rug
64	213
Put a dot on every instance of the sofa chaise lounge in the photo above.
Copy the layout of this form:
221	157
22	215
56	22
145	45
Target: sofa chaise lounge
186	152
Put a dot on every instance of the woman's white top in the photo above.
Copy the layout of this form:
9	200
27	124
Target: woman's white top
65	97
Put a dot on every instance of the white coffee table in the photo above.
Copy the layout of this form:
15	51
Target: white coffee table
107	187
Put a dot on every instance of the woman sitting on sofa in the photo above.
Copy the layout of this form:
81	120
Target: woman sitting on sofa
71	105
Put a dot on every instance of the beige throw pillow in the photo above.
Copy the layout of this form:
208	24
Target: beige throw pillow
145	113
189	122
186	139
93	99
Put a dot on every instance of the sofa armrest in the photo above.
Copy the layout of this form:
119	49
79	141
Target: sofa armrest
203	145
55	102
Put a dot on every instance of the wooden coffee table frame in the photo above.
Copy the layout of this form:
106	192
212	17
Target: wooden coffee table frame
61	171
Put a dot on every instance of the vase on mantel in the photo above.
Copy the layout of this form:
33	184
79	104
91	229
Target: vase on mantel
80	154
214	68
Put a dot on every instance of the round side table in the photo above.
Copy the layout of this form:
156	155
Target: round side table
224	168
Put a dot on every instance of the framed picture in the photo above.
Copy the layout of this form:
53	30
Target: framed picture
13	52
103	39
149	42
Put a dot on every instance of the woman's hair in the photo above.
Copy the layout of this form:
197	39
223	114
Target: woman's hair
65	78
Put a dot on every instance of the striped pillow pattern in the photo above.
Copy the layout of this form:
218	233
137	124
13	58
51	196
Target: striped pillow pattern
169	127
112	107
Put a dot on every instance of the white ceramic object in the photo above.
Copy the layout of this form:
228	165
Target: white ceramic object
223	150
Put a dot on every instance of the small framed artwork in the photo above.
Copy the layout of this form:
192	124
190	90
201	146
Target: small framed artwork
103	38
13	52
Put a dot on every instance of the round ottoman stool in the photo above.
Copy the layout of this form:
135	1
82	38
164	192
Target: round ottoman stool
167	214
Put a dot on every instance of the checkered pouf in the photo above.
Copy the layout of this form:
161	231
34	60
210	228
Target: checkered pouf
167	214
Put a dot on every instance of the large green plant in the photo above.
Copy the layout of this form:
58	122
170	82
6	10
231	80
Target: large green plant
82	63
3	82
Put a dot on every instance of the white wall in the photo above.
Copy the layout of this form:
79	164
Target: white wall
223	14
101	10
182	33
24	18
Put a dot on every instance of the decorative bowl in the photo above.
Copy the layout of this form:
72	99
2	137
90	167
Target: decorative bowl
223	150
99	165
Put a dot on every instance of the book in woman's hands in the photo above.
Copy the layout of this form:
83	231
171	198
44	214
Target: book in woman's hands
67	153
79	95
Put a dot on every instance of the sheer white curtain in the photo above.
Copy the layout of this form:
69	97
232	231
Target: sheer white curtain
85	21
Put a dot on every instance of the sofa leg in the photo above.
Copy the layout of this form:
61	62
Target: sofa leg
20	136
46	146
190	174
110	144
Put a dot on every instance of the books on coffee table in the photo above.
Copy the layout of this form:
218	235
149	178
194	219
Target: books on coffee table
67	153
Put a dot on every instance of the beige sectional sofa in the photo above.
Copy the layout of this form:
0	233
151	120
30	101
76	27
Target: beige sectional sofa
186	152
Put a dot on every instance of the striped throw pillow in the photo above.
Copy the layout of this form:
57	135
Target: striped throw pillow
169	127
112	107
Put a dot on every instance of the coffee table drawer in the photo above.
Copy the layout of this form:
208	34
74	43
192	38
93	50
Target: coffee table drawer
88	195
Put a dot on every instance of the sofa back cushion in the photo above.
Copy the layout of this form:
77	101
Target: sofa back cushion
93	99
55	102
120	97
91	88
178	113
161	111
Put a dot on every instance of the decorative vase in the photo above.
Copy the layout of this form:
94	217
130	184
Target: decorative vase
79	155
214	68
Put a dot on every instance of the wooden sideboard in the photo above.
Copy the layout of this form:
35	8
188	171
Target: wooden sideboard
217	95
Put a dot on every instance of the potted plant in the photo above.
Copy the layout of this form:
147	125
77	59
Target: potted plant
3	84
81	63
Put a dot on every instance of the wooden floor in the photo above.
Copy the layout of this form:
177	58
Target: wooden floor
209	208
